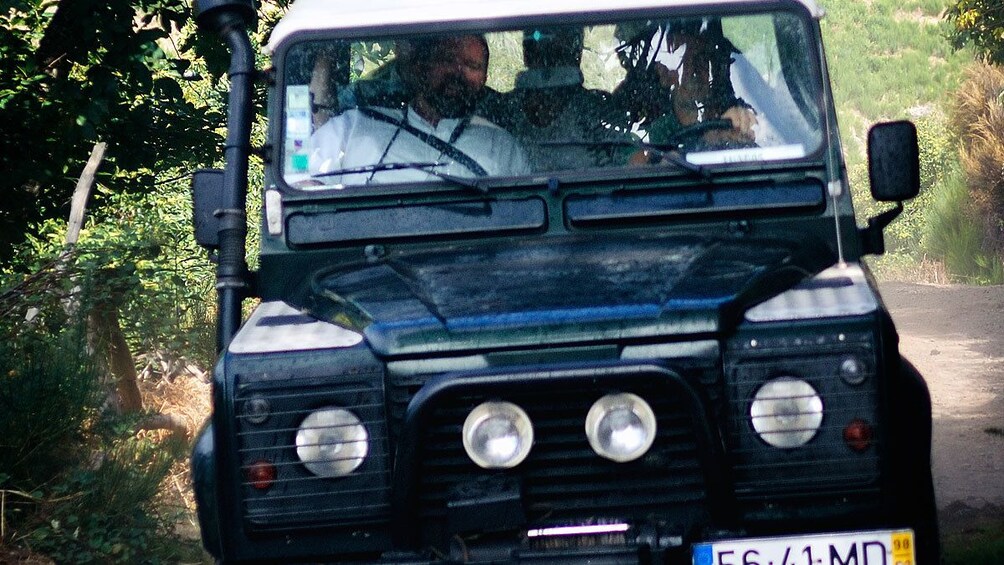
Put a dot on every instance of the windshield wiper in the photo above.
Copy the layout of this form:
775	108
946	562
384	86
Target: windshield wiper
663	152
427	166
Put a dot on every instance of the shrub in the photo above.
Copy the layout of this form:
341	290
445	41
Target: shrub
48	397
955	235
78	484
105	513
978	121
138	254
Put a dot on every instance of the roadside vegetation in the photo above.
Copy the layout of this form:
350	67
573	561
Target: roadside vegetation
81	481
106	340
982	546
895	60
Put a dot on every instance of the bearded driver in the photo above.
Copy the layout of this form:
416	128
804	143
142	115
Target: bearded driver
445	79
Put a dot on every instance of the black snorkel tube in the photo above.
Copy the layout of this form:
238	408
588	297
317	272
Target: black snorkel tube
231	19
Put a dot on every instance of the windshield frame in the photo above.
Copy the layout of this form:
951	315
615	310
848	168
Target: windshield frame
602	175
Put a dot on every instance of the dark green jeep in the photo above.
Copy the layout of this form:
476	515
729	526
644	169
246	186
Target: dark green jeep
545	281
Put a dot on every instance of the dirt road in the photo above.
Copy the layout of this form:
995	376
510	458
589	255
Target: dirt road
954	335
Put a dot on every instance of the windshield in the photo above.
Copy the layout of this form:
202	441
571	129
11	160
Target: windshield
555	100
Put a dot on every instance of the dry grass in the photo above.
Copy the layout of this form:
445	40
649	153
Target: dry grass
187	397
978	120
901	268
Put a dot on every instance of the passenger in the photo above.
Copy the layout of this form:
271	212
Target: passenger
331	70
562	124
444	78
691	66
701	91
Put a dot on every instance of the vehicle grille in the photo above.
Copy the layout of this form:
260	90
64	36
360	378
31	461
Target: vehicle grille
563	481
297	496
824	468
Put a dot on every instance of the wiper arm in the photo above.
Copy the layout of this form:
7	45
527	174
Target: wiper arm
377	167
664	152
474	184
427	166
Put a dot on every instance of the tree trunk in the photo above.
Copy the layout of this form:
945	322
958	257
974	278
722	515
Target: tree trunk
109	339
82	192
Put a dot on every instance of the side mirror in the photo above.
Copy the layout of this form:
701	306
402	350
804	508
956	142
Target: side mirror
207	198
893	161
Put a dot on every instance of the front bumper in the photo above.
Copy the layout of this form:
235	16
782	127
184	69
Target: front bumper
869	547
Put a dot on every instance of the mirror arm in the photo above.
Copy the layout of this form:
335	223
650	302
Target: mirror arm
872	239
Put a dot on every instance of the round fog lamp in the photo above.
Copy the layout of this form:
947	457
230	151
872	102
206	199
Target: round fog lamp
497	435
332	442
786	412
620	427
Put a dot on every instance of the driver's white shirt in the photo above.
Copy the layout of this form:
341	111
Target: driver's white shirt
353	139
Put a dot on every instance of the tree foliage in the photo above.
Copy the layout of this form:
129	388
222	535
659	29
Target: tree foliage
979	24
73	73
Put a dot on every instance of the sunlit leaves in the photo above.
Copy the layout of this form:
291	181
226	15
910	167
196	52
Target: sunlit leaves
980	25
73	73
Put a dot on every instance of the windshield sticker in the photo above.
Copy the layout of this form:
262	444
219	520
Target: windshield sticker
747	155
298	127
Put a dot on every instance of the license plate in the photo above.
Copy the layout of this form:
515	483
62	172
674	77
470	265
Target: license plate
884	547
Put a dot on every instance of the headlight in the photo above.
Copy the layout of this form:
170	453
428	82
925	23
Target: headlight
786	412
332	442
620	427
497	435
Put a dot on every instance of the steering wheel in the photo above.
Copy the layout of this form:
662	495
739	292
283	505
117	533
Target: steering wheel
688	136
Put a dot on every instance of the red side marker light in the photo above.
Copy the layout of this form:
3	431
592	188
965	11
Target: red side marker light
858	435
261	474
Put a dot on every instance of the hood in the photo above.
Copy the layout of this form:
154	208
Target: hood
557	291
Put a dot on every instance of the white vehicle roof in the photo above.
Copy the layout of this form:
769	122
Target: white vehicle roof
309	15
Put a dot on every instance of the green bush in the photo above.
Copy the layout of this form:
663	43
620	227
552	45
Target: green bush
955	235
139	253
48	396
78	484
105	513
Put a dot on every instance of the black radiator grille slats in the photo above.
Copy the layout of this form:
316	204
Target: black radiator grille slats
281	461
825	466
563	479
294	497
297	497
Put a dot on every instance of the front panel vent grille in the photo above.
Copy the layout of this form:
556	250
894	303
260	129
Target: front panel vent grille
562	480
298	497
826	467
